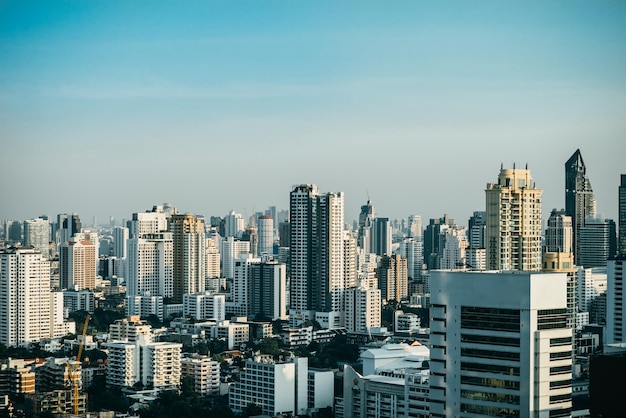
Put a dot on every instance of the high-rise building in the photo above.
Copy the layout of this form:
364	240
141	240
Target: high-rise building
559	233
232	249
500	345
596	242
13	231
267	290
622	214
393	278
150	222
580	201
615	305
366	222
37	235
150	265
234	224
77	264
189	251
363	309
120	238
381	237
317	259
24	296
212	259
434	240
476	229
413	250
513	231
265	235
204	305
414	227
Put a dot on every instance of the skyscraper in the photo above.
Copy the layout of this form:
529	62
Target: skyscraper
77	264
513	231
559	233
189	250
500	345
580	202
24	296
317	262
381	237
265	235
37	235
393	278
366	221
615	305
596	242
150	265
622	214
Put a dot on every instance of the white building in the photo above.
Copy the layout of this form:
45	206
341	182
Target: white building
615	305
500	344
413	250
59	327
394	383
155	364
204	305
129	329
24	296
37	234
281	388
152	222
204	371
513	231
363	309
265	225
212	259
151	265
239	292
145	306
77	300
231	250
234	224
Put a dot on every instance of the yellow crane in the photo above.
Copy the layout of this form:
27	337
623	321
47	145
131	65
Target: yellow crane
73	368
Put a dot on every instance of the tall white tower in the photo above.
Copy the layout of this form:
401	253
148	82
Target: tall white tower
37	234
151	265
265	235
24	296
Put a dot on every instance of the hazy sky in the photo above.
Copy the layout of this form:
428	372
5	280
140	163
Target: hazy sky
109	107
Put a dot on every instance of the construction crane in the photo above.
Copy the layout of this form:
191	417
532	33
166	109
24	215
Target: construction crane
73	368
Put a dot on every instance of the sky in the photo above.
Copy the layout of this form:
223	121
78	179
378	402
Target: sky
110	107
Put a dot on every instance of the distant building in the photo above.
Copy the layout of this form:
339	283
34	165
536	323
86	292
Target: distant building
204	371
189	254
559	233
37	235
596	242
77	264
615	304
204	305
393	278
363	309
622	214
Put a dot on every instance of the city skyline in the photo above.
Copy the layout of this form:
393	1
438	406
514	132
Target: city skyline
413	105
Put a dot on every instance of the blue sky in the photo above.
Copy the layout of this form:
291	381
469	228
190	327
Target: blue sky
109	107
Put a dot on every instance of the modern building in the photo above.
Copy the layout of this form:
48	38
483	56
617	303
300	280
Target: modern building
393	278
281	388
414	227
413	250
267	290
204	371
232	248
156	365
500	345
150	222
150	265
234	225
596	242
146	305
580	202
559	236
24	296
615	303
476	227
363	309
621	209
204	305
265	225
317	261
77	264
79	300
513	230
129	329
189	251
366	222
434	240
381	237
37	235
394	384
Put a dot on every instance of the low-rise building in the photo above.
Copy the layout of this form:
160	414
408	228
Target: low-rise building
204	371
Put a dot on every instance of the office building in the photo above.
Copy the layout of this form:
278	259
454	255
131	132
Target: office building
381	237
234	225
189	251
267	290
366	222
596	242
317	259
24	296
413	250
500	344
414	227
615	304
77	264
153	364
265	233
580	202
232	248
476	227
393	278
434	241
621	209
13	231
37	235
513	230
120	249
559	236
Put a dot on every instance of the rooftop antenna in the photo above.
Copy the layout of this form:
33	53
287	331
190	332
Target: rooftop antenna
368	196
